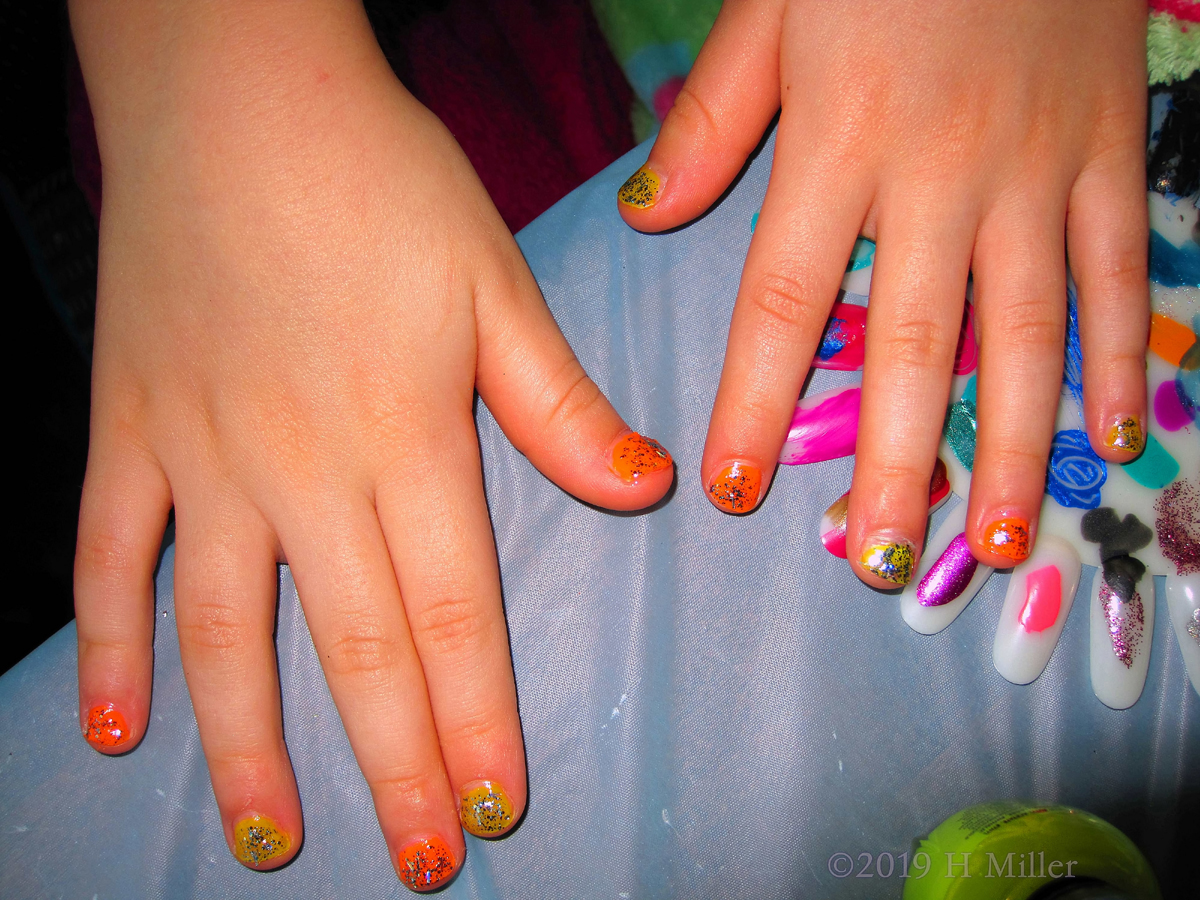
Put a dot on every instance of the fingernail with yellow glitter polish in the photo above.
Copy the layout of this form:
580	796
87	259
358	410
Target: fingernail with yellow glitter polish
1125	433
257	840
425	865
106	727
485	809
634	455
736	487
1008	537
642	188
890	560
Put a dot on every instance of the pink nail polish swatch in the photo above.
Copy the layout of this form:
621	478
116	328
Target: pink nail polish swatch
966	358
825	426
843	344
1043	599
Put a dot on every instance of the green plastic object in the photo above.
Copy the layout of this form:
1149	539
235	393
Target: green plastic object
1010	850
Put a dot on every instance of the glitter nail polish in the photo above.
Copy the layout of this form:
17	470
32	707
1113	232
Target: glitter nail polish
1126	434
1008	537
257	840
485	809
892	561
634	455
641	189
947	579
833	523
736	487
425	864
949	576
106	727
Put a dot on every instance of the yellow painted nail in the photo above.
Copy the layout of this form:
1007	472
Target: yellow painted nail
257	839
485	809
641	190
891	561
1126	434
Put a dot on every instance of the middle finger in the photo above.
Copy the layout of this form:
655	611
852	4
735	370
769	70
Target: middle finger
918	288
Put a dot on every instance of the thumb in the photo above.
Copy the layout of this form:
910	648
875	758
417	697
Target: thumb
552	412
719	116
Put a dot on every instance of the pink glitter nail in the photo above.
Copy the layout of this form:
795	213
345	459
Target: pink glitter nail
1126	619
949	576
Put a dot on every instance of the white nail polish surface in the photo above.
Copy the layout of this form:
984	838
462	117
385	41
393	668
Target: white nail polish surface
927	603
1040	593
1183	604
1122	624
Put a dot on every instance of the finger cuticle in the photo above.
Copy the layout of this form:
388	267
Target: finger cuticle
1008	536
426	864
634	455
641	189
736	487
485	809
258	840
1125	433
891	560
106	727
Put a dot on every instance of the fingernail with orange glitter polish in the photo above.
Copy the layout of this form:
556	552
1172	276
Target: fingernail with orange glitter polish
736	487
1008	537
106	727
1125	433
485	809
258	840
634	455
426	864
642	188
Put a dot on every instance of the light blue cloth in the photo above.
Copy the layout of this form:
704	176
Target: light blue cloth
712	706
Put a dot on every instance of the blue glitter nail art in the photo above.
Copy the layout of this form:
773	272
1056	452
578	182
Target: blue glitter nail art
834	341
1076	473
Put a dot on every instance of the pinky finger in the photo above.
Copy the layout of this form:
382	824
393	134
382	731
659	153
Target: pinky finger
1106	238
126	500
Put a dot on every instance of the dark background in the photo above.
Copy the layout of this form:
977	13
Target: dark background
48	261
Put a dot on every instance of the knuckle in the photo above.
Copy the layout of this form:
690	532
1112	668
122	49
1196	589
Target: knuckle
1032	323
785	301
362	653
103	555
691	114
918	342
575	397
212	628
449	624
407	787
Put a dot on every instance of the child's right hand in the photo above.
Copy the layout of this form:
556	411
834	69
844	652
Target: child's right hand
985	137
302	281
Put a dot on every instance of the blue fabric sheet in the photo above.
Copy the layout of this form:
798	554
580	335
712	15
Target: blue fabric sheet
712	706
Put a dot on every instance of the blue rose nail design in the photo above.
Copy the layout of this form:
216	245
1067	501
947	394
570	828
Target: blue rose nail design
1076	473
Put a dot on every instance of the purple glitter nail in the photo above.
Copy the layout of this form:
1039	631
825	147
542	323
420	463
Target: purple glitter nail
949	576
1126	620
